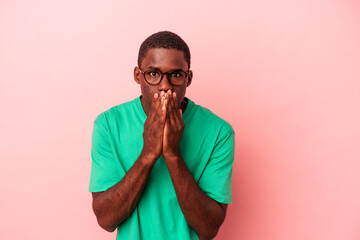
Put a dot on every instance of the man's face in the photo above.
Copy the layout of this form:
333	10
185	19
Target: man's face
164	60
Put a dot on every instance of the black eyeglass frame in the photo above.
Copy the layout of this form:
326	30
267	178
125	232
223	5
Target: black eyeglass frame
162	75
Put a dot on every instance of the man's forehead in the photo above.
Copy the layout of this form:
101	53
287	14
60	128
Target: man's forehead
163	57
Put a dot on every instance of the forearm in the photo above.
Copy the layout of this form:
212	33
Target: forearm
202	213
116	204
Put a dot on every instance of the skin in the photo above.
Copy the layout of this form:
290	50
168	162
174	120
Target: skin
163	128
165	60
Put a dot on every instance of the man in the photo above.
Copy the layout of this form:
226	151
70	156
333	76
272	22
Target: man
162	165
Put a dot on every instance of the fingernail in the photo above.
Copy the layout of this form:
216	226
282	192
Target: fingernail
169	92
162	93
156	95
174	94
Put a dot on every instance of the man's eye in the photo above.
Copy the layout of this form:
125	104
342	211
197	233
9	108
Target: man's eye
153	74
176	74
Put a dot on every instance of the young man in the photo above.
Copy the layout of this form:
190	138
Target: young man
162	165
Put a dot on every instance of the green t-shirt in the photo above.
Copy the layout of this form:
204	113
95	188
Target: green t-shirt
207	147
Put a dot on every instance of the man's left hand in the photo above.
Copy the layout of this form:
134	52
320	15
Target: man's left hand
174	127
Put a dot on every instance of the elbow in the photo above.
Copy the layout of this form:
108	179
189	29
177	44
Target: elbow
106	227
213	234
105	224
210	231
102	218
208	234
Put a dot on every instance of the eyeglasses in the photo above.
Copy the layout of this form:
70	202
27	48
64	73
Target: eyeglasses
154	77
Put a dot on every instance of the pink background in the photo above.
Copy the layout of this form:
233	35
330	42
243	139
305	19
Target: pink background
285	74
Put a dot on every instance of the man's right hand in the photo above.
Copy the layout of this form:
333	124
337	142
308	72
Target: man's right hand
154	127
114	205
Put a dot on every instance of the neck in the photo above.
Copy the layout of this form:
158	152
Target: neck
183	104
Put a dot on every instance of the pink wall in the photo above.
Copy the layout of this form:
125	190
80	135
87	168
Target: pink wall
285	74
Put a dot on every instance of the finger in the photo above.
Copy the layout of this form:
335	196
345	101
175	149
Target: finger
154	105
162	95
175	100
171	108
154	100
164	107
171	96
175	109
177	114
159	113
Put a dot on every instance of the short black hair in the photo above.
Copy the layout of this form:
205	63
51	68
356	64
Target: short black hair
164	39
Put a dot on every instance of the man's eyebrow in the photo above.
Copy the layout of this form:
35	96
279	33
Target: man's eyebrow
171	70
154	68
177	69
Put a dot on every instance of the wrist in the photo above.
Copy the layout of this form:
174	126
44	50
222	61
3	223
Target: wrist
172	156
148	157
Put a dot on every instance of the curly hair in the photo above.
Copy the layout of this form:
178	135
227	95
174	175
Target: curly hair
164	39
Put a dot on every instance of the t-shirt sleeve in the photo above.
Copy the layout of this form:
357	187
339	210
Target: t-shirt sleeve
104	169
215	181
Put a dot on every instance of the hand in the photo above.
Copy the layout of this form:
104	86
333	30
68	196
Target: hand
174	127
154	126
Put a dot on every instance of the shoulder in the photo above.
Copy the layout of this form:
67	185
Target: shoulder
208	119
116	112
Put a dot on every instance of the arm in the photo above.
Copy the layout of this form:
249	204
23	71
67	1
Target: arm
202	213
114	205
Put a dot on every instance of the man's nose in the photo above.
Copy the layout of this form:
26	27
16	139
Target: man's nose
165	84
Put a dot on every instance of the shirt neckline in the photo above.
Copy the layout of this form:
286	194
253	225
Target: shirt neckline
140	109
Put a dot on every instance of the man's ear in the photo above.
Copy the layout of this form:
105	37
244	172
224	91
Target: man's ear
137	75
190	76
